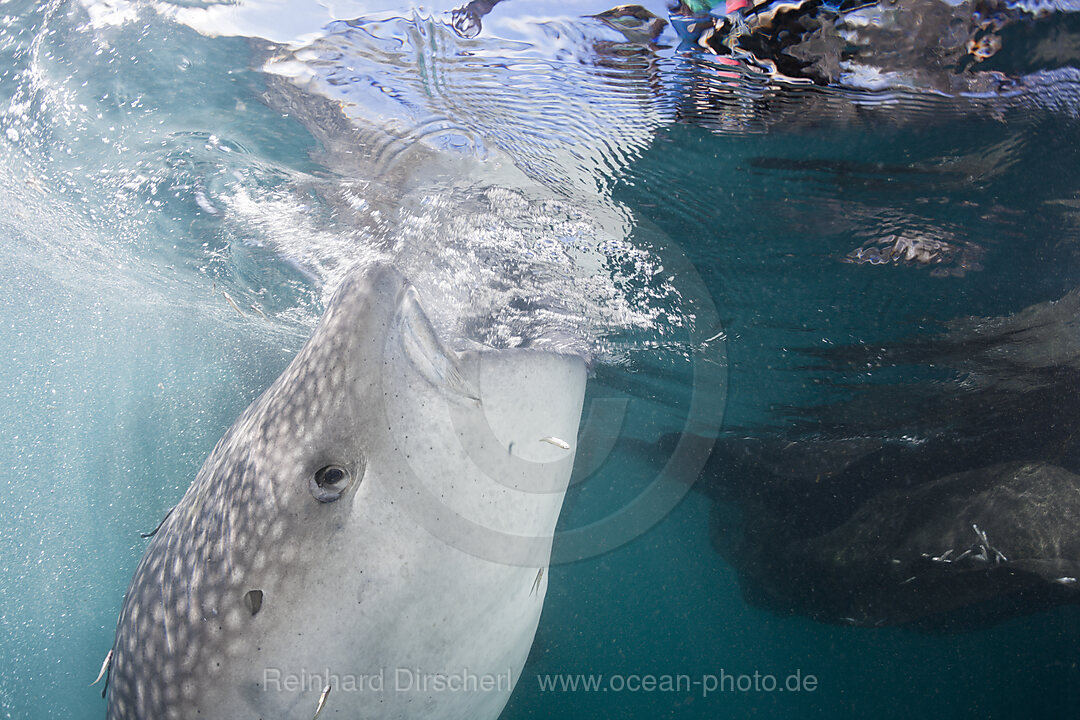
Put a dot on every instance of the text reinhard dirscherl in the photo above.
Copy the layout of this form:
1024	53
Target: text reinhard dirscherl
383	680
464	680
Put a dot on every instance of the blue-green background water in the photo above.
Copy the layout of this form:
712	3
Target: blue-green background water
146	167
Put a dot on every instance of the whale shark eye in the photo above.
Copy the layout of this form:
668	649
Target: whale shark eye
329	482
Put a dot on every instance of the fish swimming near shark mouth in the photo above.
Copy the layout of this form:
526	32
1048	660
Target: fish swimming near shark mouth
384	510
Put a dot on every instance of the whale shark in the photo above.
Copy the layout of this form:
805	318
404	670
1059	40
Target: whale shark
368	539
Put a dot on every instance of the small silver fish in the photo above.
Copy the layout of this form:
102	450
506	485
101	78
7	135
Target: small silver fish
322	701
536	582
104	668
720	335
557	442
233	303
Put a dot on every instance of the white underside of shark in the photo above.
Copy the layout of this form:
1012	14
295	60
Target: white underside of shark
369	539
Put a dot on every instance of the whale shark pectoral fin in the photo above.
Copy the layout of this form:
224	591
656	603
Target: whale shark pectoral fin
437	363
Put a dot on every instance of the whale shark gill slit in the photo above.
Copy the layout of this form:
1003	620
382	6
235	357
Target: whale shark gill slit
438	364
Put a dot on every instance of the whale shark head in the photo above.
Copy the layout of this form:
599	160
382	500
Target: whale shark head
383	511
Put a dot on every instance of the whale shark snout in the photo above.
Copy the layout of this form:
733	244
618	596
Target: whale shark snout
379	517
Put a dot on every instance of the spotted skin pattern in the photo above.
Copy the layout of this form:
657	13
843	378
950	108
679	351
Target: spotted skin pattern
251	573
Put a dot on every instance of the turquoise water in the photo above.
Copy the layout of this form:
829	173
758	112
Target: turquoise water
691	236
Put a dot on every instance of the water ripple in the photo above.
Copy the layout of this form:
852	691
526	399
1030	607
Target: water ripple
556	109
